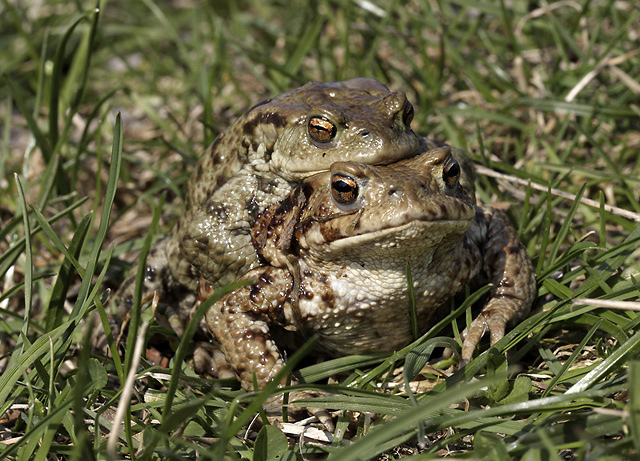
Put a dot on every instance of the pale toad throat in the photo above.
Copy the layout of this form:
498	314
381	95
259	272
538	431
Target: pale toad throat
413	241
351	305
368	280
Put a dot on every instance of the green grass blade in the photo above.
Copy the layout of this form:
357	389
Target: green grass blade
369	446
607	365
56	83
566	225
21	363
112	183
66	274
84	138
634	402
28	268
77	85
48	230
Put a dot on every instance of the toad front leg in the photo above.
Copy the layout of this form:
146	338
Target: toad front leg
511	272
240	323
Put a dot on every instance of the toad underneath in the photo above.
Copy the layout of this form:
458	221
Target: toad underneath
335	253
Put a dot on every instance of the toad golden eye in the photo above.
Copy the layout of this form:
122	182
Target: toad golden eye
451	172
407	114
321	129
344	189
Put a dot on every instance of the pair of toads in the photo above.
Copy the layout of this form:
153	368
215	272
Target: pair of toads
322	196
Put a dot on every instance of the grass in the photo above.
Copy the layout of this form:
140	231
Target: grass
103	116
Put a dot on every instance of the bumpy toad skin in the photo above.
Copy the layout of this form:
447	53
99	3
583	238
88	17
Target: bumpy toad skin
335	253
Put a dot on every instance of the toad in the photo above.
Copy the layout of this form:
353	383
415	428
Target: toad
335	253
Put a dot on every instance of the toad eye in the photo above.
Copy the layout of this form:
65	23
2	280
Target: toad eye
321	129
407	114
451	172
344	189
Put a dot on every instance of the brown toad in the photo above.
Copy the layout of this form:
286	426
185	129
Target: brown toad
336	251
255	163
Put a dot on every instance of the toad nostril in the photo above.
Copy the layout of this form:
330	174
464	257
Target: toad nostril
407	114
365	134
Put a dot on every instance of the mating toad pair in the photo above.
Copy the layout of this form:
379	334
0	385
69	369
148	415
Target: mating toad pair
322	196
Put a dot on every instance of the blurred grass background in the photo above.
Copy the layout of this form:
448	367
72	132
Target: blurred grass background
540	92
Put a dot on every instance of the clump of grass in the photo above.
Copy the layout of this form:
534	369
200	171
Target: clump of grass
544	98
